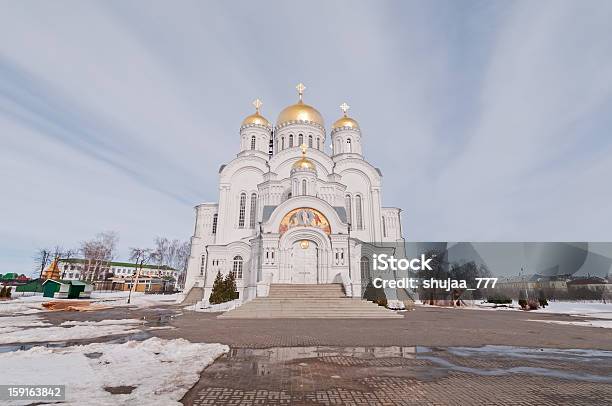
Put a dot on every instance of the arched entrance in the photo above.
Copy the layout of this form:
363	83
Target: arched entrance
304	256
304	262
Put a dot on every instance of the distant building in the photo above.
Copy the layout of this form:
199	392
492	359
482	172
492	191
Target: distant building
74	269
144	284
593	283
13	279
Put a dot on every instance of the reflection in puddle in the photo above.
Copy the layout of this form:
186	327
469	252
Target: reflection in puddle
532	353
265	361
278	354
518	370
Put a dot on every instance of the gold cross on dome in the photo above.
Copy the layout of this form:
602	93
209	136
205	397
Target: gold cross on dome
257	103
300	88
303	147
344	107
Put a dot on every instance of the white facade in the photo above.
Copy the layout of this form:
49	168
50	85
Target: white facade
73	269
284	212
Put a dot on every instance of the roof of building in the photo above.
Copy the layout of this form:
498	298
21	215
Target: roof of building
591	280
123	264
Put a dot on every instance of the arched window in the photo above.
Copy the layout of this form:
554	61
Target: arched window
290	140
241	212
253	212
214	224
364	265
300	139
349	146
318	143
358	213
347	203
253	142
202	265
304	187
282	143
237	267
310	141
384	226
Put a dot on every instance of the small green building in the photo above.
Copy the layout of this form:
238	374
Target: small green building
61	289
31	287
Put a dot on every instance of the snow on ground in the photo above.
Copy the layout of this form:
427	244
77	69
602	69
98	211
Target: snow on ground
33	304
597	310
582	323
22	321
161	371
100	323
138	299
23	305
81	330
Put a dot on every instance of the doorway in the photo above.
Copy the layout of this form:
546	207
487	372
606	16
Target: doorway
304	262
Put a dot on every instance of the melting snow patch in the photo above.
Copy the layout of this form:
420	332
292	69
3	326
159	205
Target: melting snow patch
22	321
583	323
160	371
101	323
48	334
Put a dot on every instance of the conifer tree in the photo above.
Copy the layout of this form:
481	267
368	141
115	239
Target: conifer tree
230	287
216	296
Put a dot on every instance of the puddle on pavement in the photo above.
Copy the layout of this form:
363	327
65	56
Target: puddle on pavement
427	363
325	374
158	320
140	336
120	390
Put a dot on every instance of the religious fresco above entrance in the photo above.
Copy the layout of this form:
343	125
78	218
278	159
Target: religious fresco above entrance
304	217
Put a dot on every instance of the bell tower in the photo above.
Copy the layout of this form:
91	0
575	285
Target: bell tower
346	135
255	132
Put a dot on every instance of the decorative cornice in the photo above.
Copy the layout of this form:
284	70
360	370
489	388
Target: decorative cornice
297	122
337	129
264	127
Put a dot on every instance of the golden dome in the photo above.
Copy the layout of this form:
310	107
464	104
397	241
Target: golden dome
256	118
303	162
345	120
300	111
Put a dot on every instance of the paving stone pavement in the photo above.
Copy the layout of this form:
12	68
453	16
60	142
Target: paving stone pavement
404	376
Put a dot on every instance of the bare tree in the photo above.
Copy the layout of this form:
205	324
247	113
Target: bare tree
164	250
65	256
182	256
173	253
98	253
42	259
140	256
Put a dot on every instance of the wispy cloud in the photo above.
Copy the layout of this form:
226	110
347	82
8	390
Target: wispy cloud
489	120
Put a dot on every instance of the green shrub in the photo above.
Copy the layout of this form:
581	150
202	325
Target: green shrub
542	301
533	304
223	290
499	299
217	294
381	301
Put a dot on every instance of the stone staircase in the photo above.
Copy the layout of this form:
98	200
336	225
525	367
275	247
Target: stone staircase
325	301
194	295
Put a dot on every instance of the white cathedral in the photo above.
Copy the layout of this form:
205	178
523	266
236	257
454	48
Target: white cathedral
288	212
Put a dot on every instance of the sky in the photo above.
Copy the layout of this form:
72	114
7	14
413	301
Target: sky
490	120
